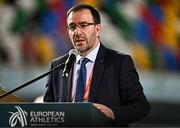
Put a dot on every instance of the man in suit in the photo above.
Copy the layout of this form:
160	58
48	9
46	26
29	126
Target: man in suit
112	82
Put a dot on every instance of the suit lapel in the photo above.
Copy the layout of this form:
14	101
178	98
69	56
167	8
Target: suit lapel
66	86
98	72
69	85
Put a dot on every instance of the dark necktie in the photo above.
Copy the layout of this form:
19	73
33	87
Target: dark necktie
81	81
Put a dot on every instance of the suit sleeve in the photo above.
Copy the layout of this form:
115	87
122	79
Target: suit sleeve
135	105
49	97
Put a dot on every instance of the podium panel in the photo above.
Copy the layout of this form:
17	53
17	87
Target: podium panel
10	98
51	115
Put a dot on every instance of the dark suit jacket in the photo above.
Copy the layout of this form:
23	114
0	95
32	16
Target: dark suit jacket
115	83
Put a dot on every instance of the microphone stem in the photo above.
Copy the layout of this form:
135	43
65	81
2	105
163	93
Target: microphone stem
32	81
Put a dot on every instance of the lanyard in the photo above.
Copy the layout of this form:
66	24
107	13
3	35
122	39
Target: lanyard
86	94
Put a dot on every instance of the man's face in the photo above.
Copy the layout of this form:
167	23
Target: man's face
84	36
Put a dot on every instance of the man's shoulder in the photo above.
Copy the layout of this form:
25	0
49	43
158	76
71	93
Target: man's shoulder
112	55
116	54
117	58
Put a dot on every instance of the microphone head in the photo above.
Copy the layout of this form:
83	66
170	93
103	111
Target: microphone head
69	62
72	56
73	51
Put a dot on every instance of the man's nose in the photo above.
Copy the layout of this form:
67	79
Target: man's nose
78	29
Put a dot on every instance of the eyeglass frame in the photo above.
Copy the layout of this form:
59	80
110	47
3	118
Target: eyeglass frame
80	25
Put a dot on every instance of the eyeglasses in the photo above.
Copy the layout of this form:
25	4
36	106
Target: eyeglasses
81	25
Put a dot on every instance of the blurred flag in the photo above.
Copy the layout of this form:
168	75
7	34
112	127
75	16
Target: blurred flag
169	26
141	56
44	49
95	3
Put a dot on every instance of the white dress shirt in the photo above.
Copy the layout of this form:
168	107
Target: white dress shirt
89	66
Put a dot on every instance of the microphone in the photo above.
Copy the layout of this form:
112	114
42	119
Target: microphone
65	66
58	67
69	62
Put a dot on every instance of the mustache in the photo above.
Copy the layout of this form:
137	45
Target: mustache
79	37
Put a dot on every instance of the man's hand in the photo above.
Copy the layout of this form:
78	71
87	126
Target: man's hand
104	109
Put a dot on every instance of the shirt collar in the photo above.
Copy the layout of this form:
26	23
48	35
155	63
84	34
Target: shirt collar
91	56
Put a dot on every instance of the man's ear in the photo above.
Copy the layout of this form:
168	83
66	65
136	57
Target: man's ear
98	29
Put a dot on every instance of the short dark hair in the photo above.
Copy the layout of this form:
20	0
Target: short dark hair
94	11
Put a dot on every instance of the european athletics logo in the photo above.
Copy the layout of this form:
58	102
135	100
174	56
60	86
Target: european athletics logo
19	115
